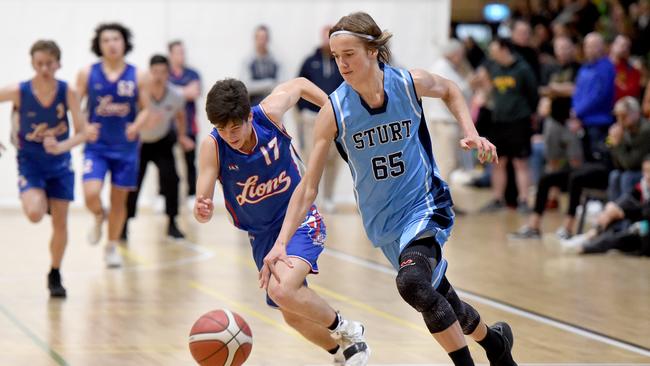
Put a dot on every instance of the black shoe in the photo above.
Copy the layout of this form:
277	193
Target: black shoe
173	232
54	284
505	358
523	208
526	232
493	206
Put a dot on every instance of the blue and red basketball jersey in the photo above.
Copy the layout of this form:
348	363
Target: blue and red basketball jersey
113	105
37	121
257	186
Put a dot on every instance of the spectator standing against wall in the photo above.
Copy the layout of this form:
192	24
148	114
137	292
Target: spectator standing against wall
189	81
261	71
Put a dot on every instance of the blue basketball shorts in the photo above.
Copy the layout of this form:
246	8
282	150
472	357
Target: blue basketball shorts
306	244
123	167
53	175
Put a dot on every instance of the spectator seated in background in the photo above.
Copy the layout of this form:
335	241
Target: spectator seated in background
623	225
629	142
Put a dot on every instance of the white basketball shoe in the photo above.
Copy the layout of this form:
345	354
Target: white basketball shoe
350	336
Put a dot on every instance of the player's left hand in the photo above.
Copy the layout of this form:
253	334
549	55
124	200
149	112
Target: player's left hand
277	254
51	145
131	132
487	152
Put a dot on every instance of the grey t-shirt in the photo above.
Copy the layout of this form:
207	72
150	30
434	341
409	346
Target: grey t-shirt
168	107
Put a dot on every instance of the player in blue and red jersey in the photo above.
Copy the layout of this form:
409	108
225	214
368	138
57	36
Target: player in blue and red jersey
251	155
45	175
189	81
117	99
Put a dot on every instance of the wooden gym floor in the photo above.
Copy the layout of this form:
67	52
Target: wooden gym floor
564	309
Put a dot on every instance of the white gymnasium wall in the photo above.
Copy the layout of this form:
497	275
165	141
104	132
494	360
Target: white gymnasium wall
217	34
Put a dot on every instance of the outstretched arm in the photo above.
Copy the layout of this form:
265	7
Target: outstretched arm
434	86
10	93
304	194
208	174
287	94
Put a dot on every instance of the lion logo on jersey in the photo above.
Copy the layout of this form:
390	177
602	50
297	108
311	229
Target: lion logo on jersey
254	192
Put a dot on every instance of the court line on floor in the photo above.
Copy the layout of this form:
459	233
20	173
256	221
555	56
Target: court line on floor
141	264
509	308
39	342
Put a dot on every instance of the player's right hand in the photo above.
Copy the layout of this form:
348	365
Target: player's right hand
51	145
92	132
203	208
131	132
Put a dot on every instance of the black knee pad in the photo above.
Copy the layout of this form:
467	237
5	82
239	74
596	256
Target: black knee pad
467	316
414	285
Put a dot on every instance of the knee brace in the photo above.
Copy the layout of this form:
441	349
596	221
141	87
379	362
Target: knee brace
467	316
414	285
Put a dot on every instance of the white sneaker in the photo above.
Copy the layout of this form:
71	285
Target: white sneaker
349	335
562	233
112	257
574	245
95	233
339	359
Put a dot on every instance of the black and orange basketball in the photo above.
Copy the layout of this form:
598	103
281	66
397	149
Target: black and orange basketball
221	338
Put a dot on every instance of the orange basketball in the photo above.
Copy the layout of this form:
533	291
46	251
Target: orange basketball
221	338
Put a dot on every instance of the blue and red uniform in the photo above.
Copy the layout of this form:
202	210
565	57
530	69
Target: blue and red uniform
113	105
257	187
36	168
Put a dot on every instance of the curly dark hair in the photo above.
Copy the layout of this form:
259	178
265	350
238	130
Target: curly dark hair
227	101
126	34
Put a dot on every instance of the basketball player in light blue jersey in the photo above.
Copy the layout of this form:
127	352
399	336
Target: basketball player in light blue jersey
375	117
250	153
117	99
43	140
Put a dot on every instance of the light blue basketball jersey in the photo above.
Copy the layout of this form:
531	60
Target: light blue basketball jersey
397	184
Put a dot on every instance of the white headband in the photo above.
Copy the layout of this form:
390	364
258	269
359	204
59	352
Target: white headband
361	35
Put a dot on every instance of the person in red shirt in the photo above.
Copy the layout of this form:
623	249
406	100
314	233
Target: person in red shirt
628	78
